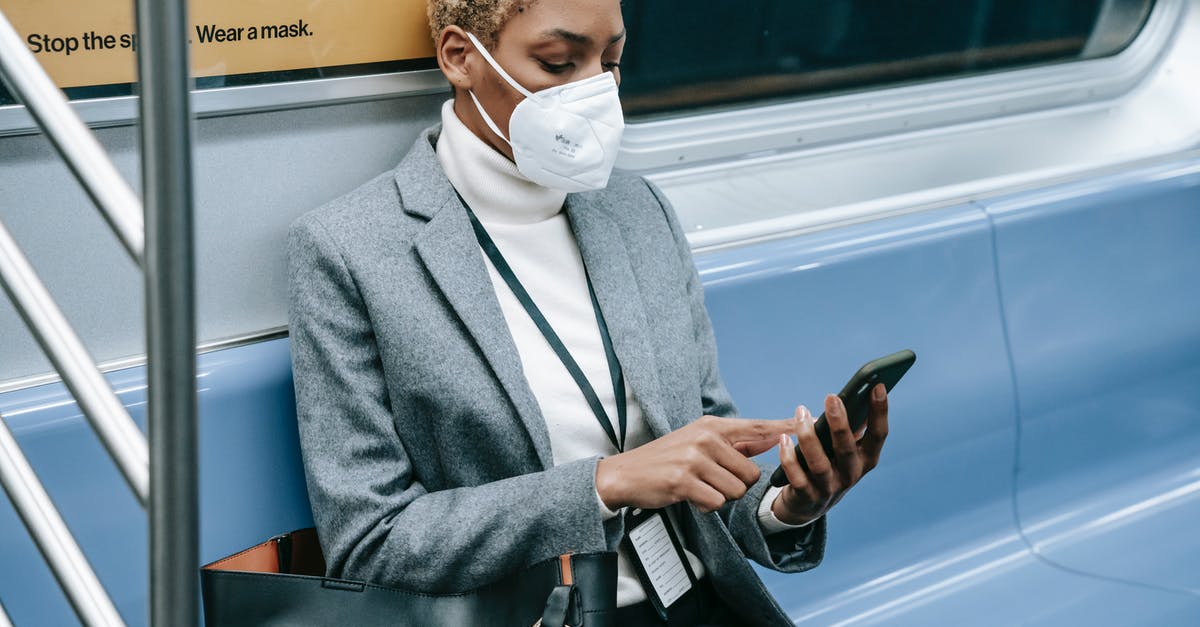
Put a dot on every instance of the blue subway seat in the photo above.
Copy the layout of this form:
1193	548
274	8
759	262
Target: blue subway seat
1041	468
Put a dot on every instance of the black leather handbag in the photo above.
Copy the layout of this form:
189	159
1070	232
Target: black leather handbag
282	582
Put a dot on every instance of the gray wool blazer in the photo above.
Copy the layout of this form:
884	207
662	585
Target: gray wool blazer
427	457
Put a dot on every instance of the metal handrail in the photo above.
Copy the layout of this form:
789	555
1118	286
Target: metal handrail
53	539
29	84
162	245
108	416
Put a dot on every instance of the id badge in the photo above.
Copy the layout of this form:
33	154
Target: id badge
658	556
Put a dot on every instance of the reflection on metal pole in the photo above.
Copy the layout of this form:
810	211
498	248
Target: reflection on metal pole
170	310
28	82
53	539
4	620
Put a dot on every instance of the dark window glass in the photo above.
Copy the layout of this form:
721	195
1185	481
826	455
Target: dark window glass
691	53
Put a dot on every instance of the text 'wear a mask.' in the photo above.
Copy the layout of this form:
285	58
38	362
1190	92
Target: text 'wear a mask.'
565	137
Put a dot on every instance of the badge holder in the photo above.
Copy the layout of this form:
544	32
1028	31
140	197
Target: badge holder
658	556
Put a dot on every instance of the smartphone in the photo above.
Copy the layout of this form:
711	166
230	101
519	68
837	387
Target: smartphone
856	396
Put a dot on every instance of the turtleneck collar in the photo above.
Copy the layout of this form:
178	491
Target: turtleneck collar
488	181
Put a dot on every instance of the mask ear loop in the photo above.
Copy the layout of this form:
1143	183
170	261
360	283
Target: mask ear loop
496	66
488	119
499	70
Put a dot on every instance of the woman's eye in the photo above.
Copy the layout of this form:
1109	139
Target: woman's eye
610	67
555	68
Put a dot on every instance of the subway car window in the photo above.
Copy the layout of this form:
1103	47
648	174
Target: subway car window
682	54
693	53
87	46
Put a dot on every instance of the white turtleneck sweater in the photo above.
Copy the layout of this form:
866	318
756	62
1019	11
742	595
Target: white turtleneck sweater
529	226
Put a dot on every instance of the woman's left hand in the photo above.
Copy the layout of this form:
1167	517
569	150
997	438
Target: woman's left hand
809	494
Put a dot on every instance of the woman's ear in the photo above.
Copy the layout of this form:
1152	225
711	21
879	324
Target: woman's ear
453	52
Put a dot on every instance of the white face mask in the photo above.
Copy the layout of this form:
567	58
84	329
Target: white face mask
564	137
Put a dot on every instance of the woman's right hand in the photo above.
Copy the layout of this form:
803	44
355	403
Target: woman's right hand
705	463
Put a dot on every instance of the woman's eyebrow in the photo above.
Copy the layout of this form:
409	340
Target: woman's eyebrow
577	38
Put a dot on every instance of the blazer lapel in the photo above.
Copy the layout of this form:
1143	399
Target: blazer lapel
607	263
448	248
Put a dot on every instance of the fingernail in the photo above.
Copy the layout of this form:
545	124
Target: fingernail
805	415
878	393
782	443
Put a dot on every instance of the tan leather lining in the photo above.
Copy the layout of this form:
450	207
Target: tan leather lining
568	576
263	558
305	556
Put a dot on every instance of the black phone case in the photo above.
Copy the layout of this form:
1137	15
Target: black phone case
856	397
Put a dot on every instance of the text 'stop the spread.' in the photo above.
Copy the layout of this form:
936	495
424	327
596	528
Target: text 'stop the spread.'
82	44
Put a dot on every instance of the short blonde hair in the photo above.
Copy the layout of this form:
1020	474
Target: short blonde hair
483	18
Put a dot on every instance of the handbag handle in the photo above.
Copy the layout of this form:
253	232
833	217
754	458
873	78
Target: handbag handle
563	604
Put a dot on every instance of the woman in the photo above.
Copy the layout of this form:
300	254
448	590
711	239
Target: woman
495	365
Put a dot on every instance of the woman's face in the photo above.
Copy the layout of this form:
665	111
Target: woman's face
547	43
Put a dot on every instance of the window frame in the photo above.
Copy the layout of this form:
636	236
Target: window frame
808	122
221	101
970	151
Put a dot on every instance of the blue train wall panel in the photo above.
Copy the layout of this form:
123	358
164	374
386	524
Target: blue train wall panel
1042	466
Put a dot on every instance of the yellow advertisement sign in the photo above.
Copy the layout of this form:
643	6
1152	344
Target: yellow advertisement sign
92	42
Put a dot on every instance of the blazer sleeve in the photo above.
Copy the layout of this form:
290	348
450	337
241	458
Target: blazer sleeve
787	551
375	520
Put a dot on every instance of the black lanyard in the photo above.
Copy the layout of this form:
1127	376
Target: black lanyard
560	349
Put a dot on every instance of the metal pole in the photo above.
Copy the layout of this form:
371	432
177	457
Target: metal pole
71	137
53	539
170	310
107	415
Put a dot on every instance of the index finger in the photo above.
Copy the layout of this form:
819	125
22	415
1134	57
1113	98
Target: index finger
736	430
